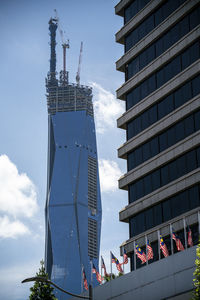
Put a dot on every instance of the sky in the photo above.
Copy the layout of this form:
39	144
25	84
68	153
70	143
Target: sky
24	63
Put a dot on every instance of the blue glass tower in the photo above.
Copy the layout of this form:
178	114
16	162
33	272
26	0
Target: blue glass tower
73	204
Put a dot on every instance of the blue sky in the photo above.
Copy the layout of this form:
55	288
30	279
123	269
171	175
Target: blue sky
24	61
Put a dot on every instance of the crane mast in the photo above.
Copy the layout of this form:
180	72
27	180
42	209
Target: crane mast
65	45
79	65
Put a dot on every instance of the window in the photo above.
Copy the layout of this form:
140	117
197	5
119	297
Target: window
149	23
164	211
92	238
189	125
165	106
131	10
154	146
197	120
131	160
171	171
183	94
179	131
164	175
196	86
157	209
194	197
162	141
167	215
146	152
147	184
149	218
155	180
163	43
92	183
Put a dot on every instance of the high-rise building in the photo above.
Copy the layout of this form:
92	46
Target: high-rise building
73	204
161	63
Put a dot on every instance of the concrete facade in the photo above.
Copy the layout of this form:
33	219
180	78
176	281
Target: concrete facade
169	278
142	207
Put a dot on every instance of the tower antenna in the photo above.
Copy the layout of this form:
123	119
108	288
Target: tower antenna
65	45
79	65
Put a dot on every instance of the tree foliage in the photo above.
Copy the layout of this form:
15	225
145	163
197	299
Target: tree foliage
108	277
196	293
42	290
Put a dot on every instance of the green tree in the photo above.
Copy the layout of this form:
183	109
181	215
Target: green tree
42	290
196	292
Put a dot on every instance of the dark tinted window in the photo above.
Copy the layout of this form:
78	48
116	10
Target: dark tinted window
164	74
163	43
164	211
171	171
162	141
196	86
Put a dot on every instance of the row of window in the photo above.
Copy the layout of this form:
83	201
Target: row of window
164	140
164	107
158	78
162	44
163	175
167	241
151	22
132	9
165	211
92	238
92	183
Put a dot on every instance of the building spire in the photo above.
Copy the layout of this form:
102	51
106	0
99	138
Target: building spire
52	73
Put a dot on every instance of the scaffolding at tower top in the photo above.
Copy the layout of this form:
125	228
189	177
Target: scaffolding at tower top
61	95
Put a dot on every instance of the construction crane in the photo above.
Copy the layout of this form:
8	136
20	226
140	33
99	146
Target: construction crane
79	65
65	45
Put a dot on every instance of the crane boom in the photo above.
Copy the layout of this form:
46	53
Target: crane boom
79	65
65	45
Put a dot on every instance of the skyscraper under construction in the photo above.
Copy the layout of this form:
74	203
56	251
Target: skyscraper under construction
73	204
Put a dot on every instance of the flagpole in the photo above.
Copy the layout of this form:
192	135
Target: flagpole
91	275
101	267
134	256
185	235
158	233
199	221
81	278
110	266
171	239
123	259
146	249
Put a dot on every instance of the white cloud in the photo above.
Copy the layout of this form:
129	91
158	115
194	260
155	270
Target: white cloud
18	199
106	107
11	229
109	172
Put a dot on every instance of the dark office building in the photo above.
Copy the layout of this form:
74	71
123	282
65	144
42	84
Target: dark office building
161	64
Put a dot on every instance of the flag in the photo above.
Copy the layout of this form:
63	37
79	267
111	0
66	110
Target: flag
98	276
125	256
103	266
190	241
118	265
163	247
140	254
179	245
85	280
149	251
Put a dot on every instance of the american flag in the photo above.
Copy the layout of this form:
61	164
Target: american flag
103	266
85	280
140	254
179	245
125	256
190	241
118	265
98	276
149	251
163	247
